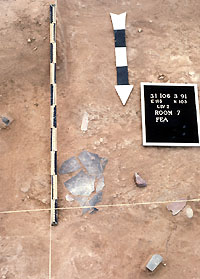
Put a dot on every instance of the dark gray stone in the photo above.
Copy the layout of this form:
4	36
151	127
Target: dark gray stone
94	164
96	199
83	201
5	120
69	166
81	184
100	184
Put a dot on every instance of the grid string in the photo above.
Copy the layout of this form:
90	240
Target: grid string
100	206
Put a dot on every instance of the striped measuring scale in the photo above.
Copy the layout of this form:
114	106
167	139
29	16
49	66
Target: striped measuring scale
53	121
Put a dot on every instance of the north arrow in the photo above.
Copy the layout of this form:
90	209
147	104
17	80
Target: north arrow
119	26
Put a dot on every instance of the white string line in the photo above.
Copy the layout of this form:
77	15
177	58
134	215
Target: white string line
25	210
127	204
100	206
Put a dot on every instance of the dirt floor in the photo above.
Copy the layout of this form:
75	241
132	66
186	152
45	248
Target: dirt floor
115	242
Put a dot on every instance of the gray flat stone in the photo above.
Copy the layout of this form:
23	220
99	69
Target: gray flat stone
84	201
100	184
69	166
96	199
154	262
94	164
93	201
81	184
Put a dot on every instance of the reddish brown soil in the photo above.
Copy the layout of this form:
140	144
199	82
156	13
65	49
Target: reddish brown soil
115	242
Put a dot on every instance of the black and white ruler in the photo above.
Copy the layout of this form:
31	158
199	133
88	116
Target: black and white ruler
53	120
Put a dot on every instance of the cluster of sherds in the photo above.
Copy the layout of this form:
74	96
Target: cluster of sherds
81	186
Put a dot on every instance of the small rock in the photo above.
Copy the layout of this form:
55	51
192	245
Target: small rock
154	262
140	30
97	142
57	68
153	206
5	121
29	40
139	181
176	207
25	189
44	201
69	198
191	73
35	48
44	38
101	140
36	104
161	77
189	212
84	125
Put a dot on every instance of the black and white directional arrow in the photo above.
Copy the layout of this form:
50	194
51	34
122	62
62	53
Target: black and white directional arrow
119	26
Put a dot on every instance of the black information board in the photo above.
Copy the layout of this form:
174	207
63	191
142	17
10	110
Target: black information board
170	114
